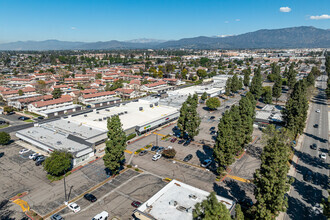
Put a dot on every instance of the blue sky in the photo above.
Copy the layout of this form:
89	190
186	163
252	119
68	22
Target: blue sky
103	20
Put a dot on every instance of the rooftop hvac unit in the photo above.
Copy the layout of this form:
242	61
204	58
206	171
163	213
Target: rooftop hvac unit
151	105
125	112
107	110
104	118
85	115
97	112
173	203
68	122
156	104
100	119
90	128
140	108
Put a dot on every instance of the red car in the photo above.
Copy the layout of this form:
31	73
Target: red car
136	204
173	140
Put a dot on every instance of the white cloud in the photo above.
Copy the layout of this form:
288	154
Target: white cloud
285	9
73	28
319	17
237	19
226	22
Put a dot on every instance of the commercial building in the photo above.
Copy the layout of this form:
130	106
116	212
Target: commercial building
76	138
175	201
270	114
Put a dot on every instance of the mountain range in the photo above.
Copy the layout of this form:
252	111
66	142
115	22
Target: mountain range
294	37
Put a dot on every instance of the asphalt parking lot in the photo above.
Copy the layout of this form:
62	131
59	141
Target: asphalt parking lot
116	196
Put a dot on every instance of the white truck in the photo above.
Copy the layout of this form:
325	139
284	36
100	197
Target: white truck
101	216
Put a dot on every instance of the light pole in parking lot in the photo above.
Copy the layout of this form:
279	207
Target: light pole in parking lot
65	200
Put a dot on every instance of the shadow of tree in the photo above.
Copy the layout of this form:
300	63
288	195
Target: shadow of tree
5	213
310	160
222	191
298	210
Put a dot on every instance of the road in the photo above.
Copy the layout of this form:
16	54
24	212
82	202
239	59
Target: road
304	196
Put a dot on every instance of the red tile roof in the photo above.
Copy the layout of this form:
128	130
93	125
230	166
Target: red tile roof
25	90
135	81
51	102
99	94
36	98
126	91
155	84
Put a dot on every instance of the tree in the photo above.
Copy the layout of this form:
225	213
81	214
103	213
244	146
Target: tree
4	138
41	86
235	83
291	76
204	96
169	153
57	93
247	111
267	94
277	88
8	109
310	79
116	84
211	209
183	118
201	73
20	92
295	111
184	73
238	212
58	163
228	87
256	84
271	179
98	76
246	80
213	103
115	145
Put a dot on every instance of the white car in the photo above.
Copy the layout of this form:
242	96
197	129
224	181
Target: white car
323	156
101	216
318	111
74	207
33	155
23	151
156	157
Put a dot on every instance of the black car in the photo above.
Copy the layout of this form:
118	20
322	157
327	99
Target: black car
90	197
23	118
41	117
2	122
37	157
316	125
212	128
10	113
314	146
40	161
144	152
187	143
212	132
212	117
154	148
308	176
187	158
180	141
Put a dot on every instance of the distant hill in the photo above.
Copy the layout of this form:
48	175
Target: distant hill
295	37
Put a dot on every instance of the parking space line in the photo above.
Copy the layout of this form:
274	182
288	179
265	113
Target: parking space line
159	134
238	178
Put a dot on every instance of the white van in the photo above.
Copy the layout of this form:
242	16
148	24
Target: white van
101	216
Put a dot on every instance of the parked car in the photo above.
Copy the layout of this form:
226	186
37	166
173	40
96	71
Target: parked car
212	117
314	146
144	152
173	140
188	157
56	217
40	160
74	207
23	151
37	157
180	141
212	128
136	204
3	122
206	163
318	111
23	118
101	216
308	176
160	149
33	155
154	148
316	125
187	143
10	113
156	157
213	132
41	117
90	197
323	156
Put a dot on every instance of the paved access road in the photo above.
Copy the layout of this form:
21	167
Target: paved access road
306	195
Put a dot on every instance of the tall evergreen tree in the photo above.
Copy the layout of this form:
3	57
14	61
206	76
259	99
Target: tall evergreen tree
267	94
277	87
247	109
246	80
256	84
238	213
310	79
228	87
291	76
183	118
211	209
115	145
235	83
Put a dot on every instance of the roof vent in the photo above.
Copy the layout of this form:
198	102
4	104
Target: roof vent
181	208
58	142
125	112
104	118
193	197
173	203
100	119
85	115
90	128
68	122
151	105
97	112
140	108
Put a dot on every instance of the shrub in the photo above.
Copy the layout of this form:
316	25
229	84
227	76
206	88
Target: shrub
169	153
138	151
148	146
4	138
137	169
131	136
129	166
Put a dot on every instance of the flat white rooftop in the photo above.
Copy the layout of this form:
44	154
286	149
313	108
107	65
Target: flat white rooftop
129	114
176	201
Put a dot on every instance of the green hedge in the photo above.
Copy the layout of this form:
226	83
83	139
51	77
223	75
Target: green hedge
131	136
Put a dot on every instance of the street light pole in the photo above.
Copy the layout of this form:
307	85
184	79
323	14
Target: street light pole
65	200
